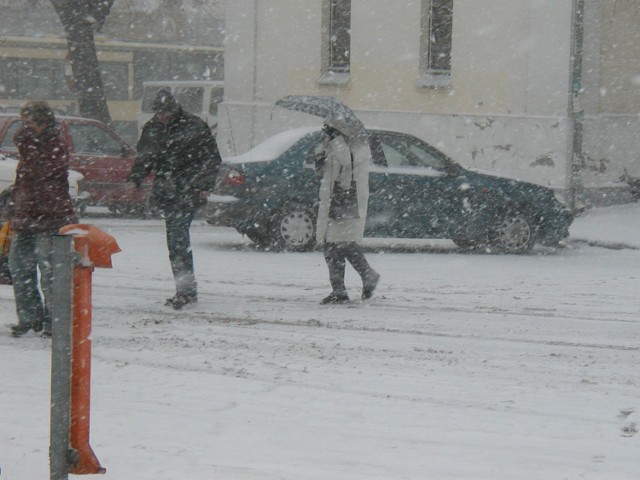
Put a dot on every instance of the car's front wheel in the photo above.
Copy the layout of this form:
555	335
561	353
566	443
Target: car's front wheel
513	231
293	228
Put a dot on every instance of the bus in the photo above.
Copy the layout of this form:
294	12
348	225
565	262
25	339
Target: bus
36	68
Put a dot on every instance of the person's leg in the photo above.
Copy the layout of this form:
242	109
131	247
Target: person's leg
44	255
5	275
181	256
23	264
354	253
336	265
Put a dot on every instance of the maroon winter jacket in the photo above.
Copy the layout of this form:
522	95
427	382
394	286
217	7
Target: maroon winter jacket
40	200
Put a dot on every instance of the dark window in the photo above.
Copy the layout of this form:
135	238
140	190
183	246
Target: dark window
339	36
115	77
33	78
437	26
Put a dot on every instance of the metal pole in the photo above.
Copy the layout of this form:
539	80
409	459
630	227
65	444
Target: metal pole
576	112
61	315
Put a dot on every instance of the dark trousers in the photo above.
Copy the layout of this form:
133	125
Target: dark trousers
337	254
178	222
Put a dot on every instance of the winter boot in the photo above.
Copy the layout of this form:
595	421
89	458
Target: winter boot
19	330
181	299
336	265
369	284
335	298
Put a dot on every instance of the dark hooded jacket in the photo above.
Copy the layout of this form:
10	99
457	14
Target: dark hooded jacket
40	200
183	157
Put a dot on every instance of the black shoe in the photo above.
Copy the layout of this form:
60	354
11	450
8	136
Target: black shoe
38	326
46	334
19	330
170	301
370	285
180	300
335	297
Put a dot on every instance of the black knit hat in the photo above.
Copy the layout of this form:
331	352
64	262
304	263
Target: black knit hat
164	102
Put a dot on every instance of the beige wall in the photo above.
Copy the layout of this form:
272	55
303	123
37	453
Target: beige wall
620	57
506	110
288	44
490	74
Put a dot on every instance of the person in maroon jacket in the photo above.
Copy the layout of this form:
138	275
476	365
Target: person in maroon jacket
40	204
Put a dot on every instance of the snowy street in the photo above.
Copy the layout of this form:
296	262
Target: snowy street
462	366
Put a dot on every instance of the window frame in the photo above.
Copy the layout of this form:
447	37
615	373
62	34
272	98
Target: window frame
336	67
435	14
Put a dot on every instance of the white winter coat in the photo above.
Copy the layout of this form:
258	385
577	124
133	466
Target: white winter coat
338	166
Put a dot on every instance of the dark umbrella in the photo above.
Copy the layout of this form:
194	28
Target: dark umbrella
334	113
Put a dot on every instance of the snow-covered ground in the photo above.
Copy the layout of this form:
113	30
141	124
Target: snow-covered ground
463	366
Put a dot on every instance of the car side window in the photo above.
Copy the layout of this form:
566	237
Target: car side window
314	152
7	141
410	152
93	140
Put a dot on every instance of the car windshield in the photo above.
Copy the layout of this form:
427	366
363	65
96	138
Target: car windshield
89	139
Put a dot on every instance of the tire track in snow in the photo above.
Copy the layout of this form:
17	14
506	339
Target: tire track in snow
251	319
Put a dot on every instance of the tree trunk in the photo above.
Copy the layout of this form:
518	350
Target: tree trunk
78	21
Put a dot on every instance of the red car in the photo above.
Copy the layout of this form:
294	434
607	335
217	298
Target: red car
98	153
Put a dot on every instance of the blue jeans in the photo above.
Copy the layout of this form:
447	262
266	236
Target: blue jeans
177	223
30	252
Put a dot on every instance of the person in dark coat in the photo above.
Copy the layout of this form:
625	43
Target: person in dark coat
39	205
182	154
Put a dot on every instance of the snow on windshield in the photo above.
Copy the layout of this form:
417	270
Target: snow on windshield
272	147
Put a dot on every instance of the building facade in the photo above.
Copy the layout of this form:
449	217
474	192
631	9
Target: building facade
547	91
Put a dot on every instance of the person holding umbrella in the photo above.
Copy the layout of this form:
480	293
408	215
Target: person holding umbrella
344	191
344	194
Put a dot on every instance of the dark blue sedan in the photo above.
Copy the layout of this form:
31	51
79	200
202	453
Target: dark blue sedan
270	194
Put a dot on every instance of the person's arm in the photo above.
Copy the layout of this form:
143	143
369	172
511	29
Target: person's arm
205	179
146	154
53	162
7	205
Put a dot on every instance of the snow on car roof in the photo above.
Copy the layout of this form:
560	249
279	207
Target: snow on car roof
272	147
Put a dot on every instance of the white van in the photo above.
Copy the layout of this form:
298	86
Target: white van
200	98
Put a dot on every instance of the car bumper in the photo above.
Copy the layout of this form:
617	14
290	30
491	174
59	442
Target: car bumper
229	211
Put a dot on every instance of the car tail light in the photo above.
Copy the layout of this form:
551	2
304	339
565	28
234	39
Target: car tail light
234	178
